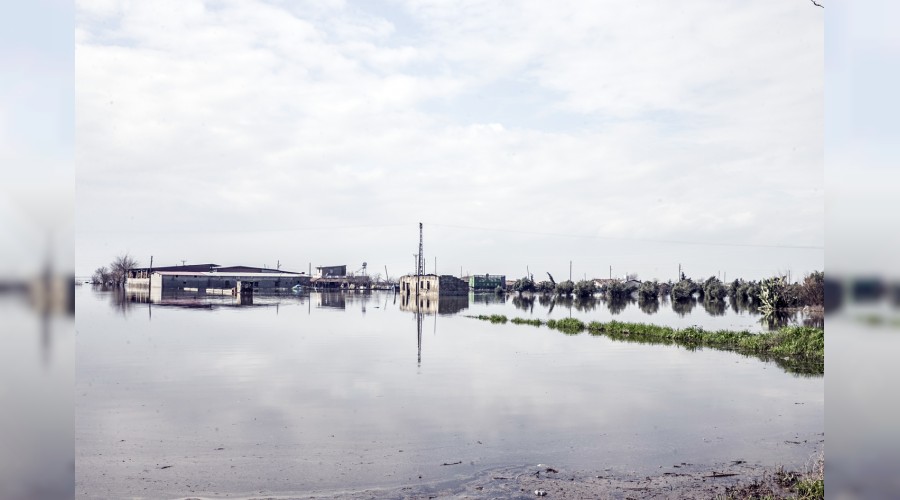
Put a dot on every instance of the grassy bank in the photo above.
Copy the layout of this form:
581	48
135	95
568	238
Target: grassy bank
797	349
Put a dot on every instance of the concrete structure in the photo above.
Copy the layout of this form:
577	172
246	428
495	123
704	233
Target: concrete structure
331	271
487	282
433	284
214	279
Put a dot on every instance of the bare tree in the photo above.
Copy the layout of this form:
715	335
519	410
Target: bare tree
101	276
119	268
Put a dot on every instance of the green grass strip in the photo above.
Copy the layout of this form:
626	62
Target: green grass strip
796	349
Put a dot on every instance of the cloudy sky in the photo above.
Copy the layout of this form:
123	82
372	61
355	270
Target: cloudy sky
637	135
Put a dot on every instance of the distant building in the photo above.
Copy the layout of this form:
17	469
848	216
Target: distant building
331	271
433	284
487	282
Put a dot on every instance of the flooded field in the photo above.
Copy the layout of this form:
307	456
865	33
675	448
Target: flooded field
312	393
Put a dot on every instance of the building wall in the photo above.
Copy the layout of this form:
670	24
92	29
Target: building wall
433	284
331	271
487	281
201	283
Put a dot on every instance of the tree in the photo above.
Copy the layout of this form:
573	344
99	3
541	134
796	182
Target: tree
714	290
524	285
119	268
584	288
685	290
565	287
101	276
648	291
814	289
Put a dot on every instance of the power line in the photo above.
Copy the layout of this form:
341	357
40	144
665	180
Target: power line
196	230
643	240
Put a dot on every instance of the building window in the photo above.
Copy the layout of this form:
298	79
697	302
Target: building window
429	286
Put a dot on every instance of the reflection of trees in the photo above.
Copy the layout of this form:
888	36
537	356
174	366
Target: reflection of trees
545	299
777	319
585	303
618	304
648	305
564	301
714	307
814	320
684	307
523	302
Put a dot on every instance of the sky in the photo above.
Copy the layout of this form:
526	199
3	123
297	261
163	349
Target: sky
618	136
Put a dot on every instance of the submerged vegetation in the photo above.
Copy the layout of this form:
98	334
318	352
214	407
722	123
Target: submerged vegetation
796	349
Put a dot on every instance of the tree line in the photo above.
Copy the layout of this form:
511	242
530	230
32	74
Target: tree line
116	273
771	294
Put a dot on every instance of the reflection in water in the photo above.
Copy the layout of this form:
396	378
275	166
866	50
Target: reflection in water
487	298
431	304
715	307
586	304
524	302
684	307
329	398
618	304
649	306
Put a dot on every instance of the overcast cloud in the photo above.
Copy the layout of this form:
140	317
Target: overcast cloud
236	132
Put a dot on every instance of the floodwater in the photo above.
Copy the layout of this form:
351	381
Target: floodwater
333	392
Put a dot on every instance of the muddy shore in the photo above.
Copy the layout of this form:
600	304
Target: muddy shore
736	479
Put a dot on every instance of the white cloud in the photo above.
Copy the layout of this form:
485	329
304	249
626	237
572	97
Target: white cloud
663	120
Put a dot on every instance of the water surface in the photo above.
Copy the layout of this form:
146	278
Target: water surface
345	391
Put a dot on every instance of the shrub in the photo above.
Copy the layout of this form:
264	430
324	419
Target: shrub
524	285
714	290
584	288
565	287
814	289
617	290
685	290
648	290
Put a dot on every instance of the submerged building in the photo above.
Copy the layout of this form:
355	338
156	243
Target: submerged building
487	282
433	284
214	279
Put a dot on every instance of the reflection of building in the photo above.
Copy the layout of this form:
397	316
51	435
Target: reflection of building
433	284
213	279
332	300
431	304
487	282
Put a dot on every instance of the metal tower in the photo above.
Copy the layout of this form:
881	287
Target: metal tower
421	267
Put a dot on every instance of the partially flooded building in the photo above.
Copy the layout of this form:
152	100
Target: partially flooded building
433	284
214	279
487	282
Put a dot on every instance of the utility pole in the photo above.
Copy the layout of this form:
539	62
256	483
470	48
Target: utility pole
679	274
570	270
435	265
610	272
182	262
278	265
421	267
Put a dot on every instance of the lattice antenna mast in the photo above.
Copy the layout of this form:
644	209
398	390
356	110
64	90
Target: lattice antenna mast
421	270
